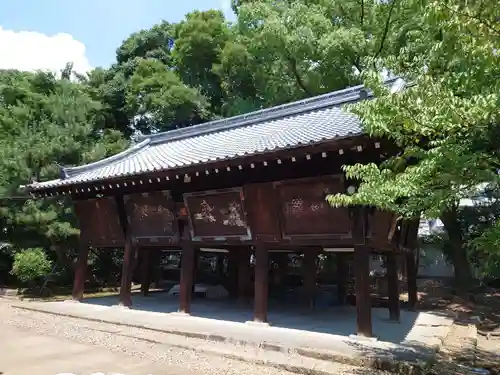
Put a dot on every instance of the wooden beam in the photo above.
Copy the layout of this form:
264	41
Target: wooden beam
164	179
125	298
342	270
187	276
309	276
411	279
393	286
220	265
233	259
145	270
362	286
261	283
129	255
244	273
80	272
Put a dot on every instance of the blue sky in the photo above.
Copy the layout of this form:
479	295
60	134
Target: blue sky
100	25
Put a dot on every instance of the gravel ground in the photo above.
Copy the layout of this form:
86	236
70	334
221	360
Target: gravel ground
144	343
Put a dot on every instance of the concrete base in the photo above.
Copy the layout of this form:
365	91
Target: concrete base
404	348
325	335
180	314
363	338
71	301
257	324
122	306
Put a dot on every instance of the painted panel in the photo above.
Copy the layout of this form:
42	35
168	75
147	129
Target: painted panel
306	214
152	218
263	215
99	222
217	215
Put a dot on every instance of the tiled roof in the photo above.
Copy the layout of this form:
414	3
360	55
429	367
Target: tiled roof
301	123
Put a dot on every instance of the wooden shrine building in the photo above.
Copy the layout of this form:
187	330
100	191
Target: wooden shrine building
249	184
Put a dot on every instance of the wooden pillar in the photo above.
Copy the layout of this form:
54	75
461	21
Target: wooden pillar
261	283
125	298
232	272
155	258
244	276
393	286
362	271
342	271
187	277
362	286
145	271
280	275
309	276
80	272
282	262
220	265
411	278
196	265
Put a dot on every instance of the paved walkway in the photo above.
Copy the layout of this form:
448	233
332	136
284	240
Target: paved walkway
419	344
27	353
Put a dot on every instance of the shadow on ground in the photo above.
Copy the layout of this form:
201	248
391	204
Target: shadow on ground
483	311
339	320
482	359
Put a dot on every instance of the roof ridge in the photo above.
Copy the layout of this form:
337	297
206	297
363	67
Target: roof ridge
70	171
331	99
304	105
241	121
278	111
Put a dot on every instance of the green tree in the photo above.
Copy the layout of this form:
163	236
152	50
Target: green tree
31	265
446	124
161	101
287	50
155	43
43	121
108	88
199	41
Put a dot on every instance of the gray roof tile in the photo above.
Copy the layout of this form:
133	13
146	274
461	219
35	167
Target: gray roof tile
292	125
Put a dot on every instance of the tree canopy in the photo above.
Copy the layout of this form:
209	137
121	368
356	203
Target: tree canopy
446	122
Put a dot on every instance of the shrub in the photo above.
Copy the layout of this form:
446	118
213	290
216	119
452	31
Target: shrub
30	265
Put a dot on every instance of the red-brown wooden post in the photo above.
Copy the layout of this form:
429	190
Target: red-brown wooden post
196	266
125	298
410	247
233	259
362	286
342	271
80	272
244	275
187	276
393	286
411	279
282	262
362	272
261	283
145	271
220	265
309	276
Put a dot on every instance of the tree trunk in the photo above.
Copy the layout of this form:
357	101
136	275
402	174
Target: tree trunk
463	274
461	264
62	256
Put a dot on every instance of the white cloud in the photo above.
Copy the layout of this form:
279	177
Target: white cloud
31	50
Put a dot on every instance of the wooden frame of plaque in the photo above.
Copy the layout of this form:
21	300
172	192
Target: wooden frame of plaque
152	218
304	212
100	222
217	215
